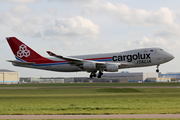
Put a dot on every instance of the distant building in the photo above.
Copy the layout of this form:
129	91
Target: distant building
8	76
46	80
107	77
175	76
172	75
126	77
130	77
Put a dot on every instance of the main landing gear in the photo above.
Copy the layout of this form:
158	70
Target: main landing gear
100	74
157	70
93	74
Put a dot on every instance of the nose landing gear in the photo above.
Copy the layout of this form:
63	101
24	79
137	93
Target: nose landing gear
157	70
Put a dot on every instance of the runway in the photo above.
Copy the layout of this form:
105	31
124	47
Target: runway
86	87
89	116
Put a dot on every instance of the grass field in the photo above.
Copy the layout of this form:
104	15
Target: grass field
90	84
90	101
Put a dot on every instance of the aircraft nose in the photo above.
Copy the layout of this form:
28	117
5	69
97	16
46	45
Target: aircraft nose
170	57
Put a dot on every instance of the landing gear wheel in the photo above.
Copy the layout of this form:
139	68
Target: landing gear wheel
91	76
157	70
94	75
100	74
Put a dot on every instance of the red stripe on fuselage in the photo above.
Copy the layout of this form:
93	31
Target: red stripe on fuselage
99	58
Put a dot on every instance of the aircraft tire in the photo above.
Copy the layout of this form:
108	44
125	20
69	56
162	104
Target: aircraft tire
94	75
91	76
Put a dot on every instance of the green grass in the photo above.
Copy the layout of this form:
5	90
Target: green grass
91	101
90	84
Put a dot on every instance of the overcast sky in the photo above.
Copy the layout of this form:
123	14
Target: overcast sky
77	27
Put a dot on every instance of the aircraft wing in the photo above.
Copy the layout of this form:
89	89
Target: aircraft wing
22	63
65	58
77	61
70	59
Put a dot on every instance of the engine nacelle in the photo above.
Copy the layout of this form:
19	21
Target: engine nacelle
112	68
89	66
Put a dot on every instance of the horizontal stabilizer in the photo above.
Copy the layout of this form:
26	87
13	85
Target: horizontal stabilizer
19	62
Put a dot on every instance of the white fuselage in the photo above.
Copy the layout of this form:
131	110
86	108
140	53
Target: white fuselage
128	59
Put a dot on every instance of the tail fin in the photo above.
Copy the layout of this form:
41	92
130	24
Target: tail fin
21	50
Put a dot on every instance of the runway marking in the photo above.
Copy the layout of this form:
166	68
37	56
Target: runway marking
89	116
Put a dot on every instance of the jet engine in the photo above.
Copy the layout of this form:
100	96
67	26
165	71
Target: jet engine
89	65
112	68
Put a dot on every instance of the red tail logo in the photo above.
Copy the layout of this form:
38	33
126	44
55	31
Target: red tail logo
23	51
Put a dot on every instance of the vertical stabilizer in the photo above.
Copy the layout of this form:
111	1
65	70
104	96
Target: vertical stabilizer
21	50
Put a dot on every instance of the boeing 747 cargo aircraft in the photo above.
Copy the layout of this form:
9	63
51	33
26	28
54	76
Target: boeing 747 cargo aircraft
110	62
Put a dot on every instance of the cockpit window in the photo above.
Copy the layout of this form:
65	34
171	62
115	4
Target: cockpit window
161	49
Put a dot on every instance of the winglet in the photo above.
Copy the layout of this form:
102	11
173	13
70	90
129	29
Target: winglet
51	53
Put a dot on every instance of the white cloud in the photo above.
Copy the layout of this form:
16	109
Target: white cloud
52	11
78	1
10	19
164	15
21	9
72	27
15	16
169	31
132	16
158	41
74	46
26	31
146	42
19	1
38	20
